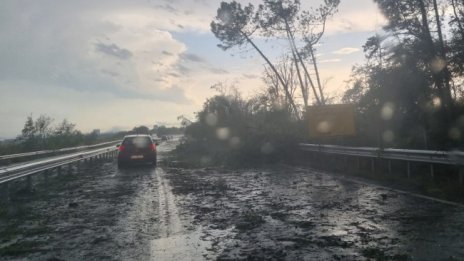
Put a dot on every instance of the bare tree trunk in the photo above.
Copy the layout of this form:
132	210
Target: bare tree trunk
438	77
300	79
446	75
300	59
458	21
316	70
292	102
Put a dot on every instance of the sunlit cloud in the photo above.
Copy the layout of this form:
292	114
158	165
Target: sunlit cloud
128	53
330	61
347	50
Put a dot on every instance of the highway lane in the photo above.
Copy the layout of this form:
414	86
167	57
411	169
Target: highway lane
176	213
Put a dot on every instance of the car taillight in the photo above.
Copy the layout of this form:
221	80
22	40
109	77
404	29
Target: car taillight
153	147
121	148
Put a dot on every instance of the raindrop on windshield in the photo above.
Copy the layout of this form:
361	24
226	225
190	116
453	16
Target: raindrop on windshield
211	119
388	110
388	136
223	133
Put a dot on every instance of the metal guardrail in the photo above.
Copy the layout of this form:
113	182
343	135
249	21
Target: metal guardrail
23	170
57	151
425	156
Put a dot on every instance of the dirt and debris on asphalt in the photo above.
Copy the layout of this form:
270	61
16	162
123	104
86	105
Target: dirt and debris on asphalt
289	213
98	212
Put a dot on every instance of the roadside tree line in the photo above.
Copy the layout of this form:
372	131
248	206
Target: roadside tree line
42	134
409	92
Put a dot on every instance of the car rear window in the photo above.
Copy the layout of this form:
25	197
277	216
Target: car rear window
139	142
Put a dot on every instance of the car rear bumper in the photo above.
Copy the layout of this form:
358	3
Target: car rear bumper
128	158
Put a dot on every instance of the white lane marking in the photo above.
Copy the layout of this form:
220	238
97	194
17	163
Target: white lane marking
175	242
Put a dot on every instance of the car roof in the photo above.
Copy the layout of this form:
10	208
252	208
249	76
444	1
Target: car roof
137	135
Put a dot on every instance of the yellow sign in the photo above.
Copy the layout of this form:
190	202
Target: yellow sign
331	120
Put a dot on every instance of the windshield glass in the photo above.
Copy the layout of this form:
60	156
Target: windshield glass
138	142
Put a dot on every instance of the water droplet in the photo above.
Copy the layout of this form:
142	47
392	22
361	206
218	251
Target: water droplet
437	65
223	133
205	160
436	102
211	119
455	134
234	142
267	148
323	127
388	110
388	136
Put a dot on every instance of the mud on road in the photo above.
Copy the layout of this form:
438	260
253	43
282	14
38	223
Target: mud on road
289	213
97	212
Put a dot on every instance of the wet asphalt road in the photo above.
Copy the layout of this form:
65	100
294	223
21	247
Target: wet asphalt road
98	212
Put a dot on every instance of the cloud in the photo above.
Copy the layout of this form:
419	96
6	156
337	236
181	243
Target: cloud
113	50
156	56
250	76
110	73
182	69
330	61
168	8
218	71
193	58
356	16
347	50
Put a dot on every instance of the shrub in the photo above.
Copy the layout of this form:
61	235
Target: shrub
233	131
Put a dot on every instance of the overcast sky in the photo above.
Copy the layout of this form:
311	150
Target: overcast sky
115	64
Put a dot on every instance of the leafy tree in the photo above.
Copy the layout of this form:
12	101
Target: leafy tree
64	128
417	24
285	17
236	131
43	126
141	130
29	129
234	26
286	68
416	67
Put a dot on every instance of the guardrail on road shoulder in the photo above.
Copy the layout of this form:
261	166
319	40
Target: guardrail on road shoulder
426	156
431	157
28	168
57	151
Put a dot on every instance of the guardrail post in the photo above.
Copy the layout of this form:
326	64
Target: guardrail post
7	191
408	169
29	183
461	176
45	173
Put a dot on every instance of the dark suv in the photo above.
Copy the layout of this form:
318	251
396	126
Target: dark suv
136	149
